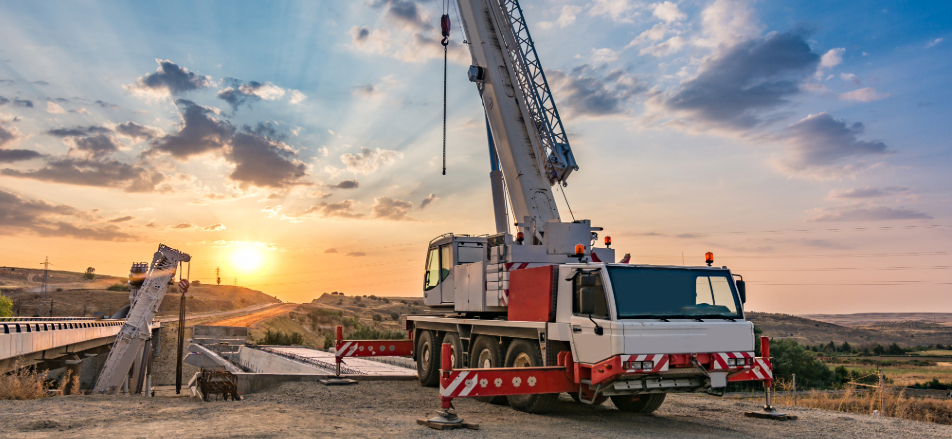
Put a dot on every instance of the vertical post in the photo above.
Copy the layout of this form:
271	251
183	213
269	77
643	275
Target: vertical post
882	393
181	343
340	338
446	365
794	390
765	353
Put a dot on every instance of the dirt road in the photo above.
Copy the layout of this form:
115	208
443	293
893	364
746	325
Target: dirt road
250	319
390	409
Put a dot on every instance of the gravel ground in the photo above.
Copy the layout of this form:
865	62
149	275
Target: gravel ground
390	409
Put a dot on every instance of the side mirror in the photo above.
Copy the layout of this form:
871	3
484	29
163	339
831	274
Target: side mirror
587	280
586	300
742	290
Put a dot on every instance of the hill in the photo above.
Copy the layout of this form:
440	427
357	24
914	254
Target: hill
72	294
812	332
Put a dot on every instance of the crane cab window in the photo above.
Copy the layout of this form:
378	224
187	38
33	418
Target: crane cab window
601	305
446	260
432	277
469	252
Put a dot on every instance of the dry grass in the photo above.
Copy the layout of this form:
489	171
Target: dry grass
905	375
24	383
891	402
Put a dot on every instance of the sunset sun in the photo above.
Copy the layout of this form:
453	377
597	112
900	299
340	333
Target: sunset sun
247	260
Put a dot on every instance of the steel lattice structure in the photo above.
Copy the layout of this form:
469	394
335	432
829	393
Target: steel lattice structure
560	162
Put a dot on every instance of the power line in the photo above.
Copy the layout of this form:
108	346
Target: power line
786	231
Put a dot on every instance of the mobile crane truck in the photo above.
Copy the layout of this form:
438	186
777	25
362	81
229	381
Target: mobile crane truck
546	299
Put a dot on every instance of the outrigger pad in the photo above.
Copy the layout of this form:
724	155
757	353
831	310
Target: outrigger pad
446	420
771	413
337	381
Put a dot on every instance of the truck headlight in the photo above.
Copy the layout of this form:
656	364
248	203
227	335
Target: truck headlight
647	365
732	362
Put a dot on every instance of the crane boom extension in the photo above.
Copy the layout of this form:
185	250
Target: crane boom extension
520	125
136	330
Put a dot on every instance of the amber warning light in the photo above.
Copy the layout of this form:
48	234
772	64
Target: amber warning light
579	249
709	258
520	237
608	241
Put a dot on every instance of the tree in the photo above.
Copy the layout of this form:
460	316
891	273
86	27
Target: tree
789	358
90	273
394	316
878	349
830	347
894	349
845	347
6	307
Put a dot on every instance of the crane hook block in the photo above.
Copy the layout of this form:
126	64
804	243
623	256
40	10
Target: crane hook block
445	24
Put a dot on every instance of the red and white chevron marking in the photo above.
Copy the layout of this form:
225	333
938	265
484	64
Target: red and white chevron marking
660	362
760	371
467	383
374	348
719	360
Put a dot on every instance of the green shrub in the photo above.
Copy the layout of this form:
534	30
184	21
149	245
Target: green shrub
280	338
6	307
118	287
362	332
377	318
394	316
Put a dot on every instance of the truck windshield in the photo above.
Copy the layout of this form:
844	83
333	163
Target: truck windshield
642	292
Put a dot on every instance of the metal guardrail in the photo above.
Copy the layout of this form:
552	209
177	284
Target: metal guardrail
52	319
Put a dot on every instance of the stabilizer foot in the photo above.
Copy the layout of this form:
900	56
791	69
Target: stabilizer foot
336	381
770	413
447	420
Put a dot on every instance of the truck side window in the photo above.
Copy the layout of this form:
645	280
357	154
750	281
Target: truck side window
432	278
446	260
601	305
469	252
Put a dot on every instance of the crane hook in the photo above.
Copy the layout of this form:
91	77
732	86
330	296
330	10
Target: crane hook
445	24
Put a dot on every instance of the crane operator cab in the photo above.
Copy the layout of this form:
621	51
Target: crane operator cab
445	253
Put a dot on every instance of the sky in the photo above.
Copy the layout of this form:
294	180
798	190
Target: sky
296	146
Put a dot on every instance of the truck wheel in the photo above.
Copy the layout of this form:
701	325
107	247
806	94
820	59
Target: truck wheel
428	359
526	353
456	351
486	355
638	403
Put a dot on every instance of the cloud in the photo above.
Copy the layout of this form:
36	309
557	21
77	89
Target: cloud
202	131
92	147
78	131
106	105
566	17
8	136
263	160
245	93
169	79
390	209
121	219
428	200
366	90
330	250
617	10
668	12
97	173
18	215
368	161
297	97
346	184
865	213
655	33
138	132
319	193
934	42
849	77
25	103
340	209
44	83
408	34
53	108
584	92
214	228
819	142
867	94
183	226
17	155
726	23
666	48
869	192
356	254
737	86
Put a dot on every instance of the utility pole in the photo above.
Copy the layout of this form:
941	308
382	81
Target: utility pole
46	275
218	275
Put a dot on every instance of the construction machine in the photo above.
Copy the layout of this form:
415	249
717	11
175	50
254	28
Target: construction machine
544	295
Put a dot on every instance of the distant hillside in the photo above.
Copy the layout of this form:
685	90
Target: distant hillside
807	331
877	318
71	294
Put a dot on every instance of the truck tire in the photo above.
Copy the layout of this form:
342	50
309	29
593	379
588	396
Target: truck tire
646	403
456	351
428	358
486	355
526	353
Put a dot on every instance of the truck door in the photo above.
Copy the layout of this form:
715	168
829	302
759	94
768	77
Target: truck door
448	285
438	284
591	347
